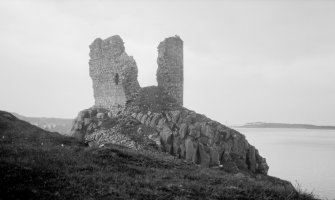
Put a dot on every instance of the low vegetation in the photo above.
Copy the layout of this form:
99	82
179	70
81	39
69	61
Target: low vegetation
36	164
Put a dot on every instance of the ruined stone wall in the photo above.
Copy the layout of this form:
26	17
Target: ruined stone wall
113	72
170	73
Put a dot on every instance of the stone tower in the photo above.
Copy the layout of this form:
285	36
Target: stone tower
113	72
170	72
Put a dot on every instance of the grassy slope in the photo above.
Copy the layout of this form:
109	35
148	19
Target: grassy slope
36	164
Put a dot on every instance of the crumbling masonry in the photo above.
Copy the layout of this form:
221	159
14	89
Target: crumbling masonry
170	72
113	72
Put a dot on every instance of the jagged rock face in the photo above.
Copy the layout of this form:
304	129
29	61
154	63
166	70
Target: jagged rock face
170	72
194	137
113	72
182	133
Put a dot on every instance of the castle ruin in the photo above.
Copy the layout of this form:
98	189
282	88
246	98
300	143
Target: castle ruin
170	72
154	116
114	73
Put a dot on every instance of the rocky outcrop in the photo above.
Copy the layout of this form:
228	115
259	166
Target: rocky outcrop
113	72
194	137
182	133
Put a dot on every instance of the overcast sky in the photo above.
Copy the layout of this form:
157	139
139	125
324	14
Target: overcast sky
244	61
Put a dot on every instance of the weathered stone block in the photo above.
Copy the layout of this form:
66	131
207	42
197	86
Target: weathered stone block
139	116
166	134
134	115
101	115
251	159
183	130
194	131
206	130
215	158
189	147
143	119
82	114
161	123
204	155
87	121
154	120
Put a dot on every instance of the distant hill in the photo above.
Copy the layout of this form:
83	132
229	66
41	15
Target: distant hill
283	125
59	125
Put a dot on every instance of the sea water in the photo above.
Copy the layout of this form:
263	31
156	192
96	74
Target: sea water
305	157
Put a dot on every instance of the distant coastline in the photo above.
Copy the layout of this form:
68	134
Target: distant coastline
283	125
60	125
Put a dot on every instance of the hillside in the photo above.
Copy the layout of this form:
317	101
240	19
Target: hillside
284	125
59	125
36	164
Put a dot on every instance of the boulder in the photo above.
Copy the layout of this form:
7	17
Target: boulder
251	159
183	130
177	145
196	155
101	115
93	144
204	155
143	119
204	141
154	120
91	127
206	131
194	131
167	116
262	167
182	148
87	121
139	116
161	123
147	122
225	157
189	149
92	113
82	114
134	115
215	158
175	115
167	138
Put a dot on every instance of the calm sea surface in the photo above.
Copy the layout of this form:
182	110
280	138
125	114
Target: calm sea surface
302	156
